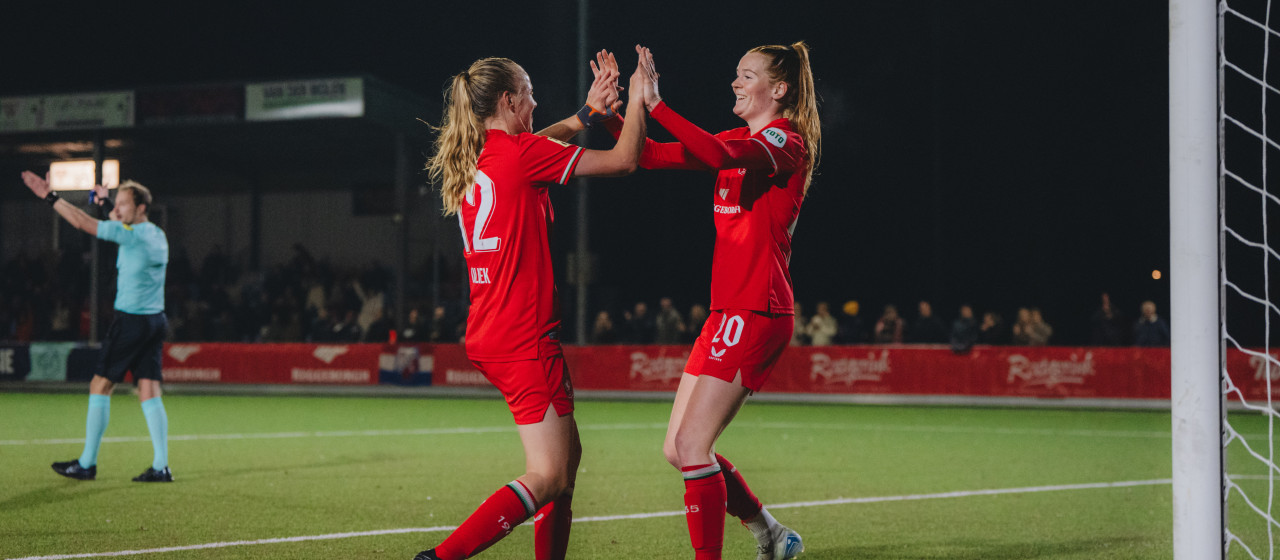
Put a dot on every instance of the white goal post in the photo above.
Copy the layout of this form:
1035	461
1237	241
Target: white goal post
1196	392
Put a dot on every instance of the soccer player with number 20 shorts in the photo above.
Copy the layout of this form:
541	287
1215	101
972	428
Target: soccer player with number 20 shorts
495	175
762	171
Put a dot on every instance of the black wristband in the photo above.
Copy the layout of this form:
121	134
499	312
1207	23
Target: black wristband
51	198
106	205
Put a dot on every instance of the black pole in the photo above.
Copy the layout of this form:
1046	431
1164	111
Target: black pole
94	247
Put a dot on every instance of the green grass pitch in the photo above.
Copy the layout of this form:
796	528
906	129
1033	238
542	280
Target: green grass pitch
873	482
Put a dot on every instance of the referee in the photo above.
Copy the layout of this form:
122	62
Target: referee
136	336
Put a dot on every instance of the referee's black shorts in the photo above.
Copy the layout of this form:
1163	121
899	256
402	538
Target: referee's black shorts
134	343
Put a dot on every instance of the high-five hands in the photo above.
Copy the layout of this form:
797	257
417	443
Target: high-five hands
646	65
605	94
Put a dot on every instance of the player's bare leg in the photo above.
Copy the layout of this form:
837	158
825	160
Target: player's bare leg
709	407
552	453
774	541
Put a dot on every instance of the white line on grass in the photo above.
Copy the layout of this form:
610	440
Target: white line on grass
837	501
603	427
334	433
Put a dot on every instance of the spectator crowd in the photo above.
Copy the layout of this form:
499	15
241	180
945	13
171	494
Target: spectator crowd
309	300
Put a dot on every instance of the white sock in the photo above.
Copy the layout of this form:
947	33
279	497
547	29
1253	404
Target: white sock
762	526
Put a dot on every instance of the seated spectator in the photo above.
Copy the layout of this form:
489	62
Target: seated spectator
888	329
1151	330
851	330
1106	325
928	329
669	326
799	334
639	327
415	328
1040	331
1022	328
822	327
992	330
697	318
602	332
964	331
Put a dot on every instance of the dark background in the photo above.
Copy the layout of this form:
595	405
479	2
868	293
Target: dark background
999	153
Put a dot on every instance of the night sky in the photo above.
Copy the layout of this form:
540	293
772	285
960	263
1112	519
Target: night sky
1003	154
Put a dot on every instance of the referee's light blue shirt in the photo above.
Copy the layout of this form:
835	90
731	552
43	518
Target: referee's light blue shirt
141	264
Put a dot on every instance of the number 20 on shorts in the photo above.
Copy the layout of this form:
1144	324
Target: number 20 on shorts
730	329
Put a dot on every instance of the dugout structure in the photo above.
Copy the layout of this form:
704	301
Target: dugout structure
230	163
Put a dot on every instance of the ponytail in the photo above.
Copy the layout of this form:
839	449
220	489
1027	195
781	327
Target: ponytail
790	64
469	99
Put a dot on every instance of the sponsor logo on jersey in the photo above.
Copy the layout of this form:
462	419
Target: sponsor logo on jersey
726	209
480	276
562	143
181	352
717	355
742	171
775	136
848	370
328	354
1050	373
724	194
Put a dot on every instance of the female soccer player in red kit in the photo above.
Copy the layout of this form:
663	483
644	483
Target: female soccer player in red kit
763	171
495	175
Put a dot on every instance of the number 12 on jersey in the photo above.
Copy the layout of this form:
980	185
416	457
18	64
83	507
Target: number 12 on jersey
475	241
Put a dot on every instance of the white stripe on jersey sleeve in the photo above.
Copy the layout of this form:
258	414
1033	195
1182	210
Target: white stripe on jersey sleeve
767	151
564	177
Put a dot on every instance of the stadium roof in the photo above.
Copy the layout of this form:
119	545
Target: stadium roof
328	132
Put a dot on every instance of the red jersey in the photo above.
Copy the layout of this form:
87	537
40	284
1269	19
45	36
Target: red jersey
506	219
757	197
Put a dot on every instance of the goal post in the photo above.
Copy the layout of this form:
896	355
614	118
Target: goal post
1196	391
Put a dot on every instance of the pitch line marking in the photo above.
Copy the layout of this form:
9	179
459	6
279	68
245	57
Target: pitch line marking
600	427
837	501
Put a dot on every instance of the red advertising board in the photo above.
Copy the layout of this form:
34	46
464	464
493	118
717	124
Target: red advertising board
332	364
991	371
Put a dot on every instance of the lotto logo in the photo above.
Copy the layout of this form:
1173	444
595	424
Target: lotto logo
775	136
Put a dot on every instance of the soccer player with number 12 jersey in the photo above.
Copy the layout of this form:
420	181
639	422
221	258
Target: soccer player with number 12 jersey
495	175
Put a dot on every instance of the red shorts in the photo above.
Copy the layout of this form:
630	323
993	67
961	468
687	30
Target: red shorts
737	340
531	386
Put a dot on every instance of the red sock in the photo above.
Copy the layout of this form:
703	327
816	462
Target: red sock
494	519
741	502
704	495
551	528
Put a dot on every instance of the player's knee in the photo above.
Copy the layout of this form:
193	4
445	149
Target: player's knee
669	450
691	450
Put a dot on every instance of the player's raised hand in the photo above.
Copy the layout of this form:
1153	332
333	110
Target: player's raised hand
100	194
38	185
603	94
639	81
605	68
646	65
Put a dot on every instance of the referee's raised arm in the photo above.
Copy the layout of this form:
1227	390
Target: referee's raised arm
77	217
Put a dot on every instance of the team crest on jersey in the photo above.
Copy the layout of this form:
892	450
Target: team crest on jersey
724	194
565	144
775	136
